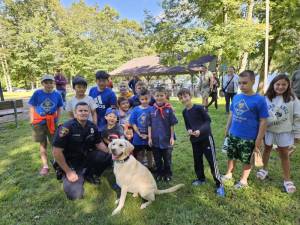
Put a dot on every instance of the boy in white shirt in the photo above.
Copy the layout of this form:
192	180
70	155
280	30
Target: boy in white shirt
80	86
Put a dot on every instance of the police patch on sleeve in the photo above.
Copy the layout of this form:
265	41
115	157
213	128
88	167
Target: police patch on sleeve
63	131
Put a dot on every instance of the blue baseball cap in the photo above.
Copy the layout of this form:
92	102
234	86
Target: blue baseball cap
111	110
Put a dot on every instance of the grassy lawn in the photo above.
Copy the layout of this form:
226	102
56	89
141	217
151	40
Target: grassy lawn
26	198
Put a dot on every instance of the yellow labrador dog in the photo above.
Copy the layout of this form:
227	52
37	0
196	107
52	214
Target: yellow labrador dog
132	176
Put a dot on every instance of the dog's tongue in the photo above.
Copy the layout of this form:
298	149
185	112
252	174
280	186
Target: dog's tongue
113	157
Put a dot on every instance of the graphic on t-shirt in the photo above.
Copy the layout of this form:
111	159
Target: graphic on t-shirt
99	102
142	121
279	114
241	107
47	104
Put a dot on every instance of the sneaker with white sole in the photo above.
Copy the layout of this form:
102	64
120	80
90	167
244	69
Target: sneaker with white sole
226	177
262	174
240	185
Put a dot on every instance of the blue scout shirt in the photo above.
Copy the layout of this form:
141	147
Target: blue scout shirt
161	126
247	110
139	117
104	100
45	103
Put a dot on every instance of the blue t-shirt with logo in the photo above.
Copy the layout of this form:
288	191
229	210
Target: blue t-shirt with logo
45	103
139	117
104	100
247	110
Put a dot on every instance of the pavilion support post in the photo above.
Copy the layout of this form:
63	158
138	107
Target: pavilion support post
193	86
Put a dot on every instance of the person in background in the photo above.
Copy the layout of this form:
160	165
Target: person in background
133	82
124	90
296	83
230	86
110	83
61	82
214	91
205	84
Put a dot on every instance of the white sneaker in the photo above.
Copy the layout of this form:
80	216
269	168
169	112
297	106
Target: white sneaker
226	177
262	174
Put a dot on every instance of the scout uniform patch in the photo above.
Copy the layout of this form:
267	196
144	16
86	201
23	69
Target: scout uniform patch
63	131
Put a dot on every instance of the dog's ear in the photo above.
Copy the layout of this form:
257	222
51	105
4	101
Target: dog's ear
129	146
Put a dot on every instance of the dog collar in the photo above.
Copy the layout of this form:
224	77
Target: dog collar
123	160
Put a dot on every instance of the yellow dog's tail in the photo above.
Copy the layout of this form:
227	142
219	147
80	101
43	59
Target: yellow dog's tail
169	190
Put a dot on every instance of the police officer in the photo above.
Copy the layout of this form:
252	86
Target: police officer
79	151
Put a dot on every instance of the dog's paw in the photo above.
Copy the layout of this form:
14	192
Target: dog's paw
144	205
135	195
116	211
117	201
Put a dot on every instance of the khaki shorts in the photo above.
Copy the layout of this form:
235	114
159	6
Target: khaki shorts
40	133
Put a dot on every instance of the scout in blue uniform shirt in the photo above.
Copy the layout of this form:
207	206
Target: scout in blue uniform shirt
161	123
138	121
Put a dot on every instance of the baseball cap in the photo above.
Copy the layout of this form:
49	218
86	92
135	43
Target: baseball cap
47	77
110	110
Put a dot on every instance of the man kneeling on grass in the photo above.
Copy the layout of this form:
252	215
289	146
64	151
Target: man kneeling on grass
80	152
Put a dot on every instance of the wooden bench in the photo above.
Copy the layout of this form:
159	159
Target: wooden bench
12	107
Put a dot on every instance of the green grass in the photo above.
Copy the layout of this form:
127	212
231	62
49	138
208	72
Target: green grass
26	198
17	95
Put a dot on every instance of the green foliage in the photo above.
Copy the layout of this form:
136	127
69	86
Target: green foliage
197	27
81	39
27	198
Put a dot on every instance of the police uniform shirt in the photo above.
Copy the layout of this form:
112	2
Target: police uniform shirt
76	141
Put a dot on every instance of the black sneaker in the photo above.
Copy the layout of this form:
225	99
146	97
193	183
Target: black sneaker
168	178
93	179
158	178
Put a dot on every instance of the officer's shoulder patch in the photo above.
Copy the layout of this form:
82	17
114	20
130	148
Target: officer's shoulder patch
63	131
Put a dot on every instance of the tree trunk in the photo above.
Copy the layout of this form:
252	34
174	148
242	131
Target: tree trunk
6	77
244	60
272	48
9	87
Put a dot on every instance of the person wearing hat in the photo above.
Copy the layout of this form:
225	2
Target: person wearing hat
80	86
45	106
79	152
112	129
103	96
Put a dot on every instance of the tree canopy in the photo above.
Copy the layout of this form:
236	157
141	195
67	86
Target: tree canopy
233	30
38	36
